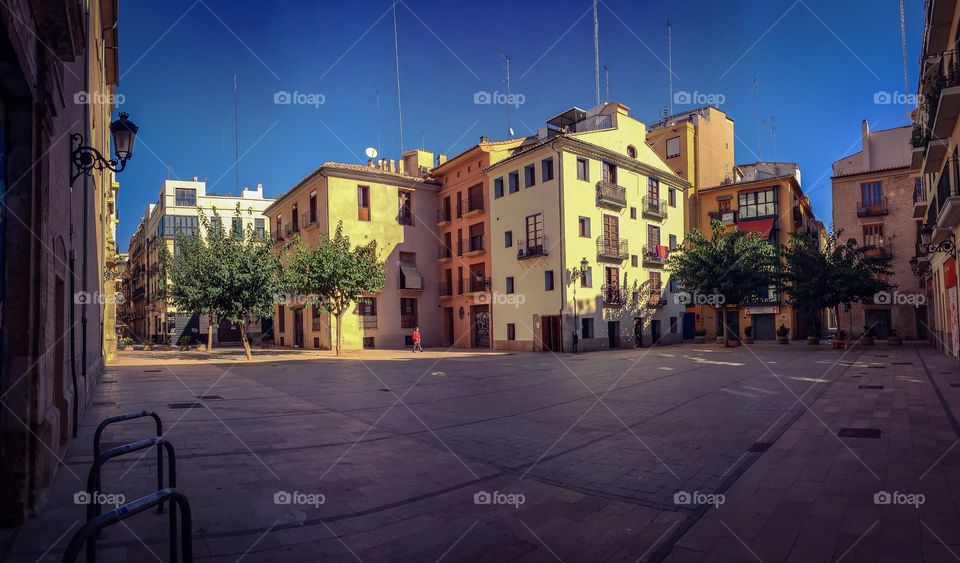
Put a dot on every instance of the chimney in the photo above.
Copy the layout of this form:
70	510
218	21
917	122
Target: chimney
865	143
392	165
195	179
370	162
400	167
441	158
484	139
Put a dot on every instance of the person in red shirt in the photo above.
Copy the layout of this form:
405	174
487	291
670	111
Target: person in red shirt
416	340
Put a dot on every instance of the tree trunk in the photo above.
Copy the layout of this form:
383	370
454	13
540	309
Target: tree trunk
723	319
209	332
245	340
339	325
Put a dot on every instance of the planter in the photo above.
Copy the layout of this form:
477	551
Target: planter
201	347
783	340
719	340
699	340
748	340
811	340
733	343
867	341
147	348
166	347
895	341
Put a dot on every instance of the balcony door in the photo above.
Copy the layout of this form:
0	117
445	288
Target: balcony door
611	233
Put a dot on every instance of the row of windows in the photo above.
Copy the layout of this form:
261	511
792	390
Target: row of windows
611	277
529	177
587	330
169	226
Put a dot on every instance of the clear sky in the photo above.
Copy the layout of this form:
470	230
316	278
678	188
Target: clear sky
819	63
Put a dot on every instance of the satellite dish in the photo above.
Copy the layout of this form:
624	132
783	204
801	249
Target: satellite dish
511	131
371	152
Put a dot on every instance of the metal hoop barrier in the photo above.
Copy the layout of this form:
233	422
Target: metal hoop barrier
133	416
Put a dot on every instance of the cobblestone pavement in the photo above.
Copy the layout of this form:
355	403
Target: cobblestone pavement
686	452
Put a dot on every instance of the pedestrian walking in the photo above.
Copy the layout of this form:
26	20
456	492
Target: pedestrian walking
416	340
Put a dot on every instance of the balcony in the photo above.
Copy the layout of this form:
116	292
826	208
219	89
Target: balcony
445	289
611	194
615	249
655	255
942	88
655	298
474	205
872	208
612	297
289	230
654	208
533	248
948	196
727	217
472	246
474	284
880	251
443	217
308	220
920	201
445	253
405	217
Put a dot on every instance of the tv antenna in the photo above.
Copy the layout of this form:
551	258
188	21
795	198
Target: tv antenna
670	63
506	65
756	115
377	93
396	49
596	51
606	75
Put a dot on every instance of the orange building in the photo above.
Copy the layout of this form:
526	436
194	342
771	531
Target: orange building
463	230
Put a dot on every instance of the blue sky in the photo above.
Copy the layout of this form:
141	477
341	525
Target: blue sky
819	63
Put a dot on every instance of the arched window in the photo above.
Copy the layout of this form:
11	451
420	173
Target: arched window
632	151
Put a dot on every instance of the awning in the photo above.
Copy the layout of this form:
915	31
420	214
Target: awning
411	277
760	226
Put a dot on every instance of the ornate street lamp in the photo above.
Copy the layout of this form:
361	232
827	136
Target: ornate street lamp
84	159
575	277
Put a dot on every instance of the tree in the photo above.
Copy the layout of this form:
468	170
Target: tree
334	273
835	275
725	270
191	276
249	275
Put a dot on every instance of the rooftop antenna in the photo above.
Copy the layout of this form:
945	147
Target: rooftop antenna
596	51
903	50
670	63
756	114
396	49
236	131
772	124
423	143
377	93
606	74
506	64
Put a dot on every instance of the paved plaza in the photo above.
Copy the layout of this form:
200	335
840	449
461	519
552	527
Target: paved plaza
676	453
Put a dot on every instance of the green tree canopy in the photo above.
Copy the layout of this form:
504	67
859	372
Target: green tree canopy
334	273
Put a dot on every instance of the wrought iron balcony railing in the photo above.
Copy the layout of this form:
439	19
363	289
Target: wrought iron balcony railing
609	193
612	248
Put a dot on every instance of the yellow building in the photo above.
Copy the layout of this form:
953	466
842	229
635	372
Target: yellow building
767	199
393	203
582	218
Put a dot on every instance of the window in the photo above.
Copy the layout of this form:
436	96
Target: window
583	169
584	223
633	212
313	208
535	231
653	190
672	197
408	312
586	327
634	260
363	203
315	312
871	193
514	181
367	306
548	280
369	342
653	238
546	169
294	219
609	172
631	151
508	239
655	284
511	331
459	205
498	187
586	280
186	197
510	287
259	228
758	204
873	235
279	223
404	207
673	147
529	175
236	226
281	319
673	242
172	225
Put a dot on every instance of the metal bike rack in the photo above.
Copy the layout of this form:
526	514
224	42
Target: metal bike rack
94	484
87	532
133	416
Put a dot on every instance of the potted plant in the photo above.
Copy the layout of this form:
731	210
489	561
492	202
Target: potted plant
266	342
748	335
782	334
894	339
184	343
699	336
165	344
867	338
813	335
148	344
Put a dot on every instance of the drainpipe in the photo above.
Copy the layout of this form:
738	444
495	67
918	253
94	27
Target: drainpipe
563	268
85	207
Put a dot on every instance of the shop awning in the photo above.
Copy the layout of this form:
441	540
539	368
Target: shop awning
760	226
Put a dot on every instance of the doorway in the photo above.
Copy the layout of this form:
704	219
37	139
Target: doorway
613	333
879	319
550	334
733	324
448	326
763	326
655	333
298	328
481	326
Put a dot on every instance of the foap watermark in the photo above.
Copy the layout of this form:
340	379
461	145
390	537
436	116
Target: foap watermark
896	497
496	497
884	98
296	497
97	298
105	499
898	298
687	298
296	98
83	97
497	298
484	98
698	98
688	498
